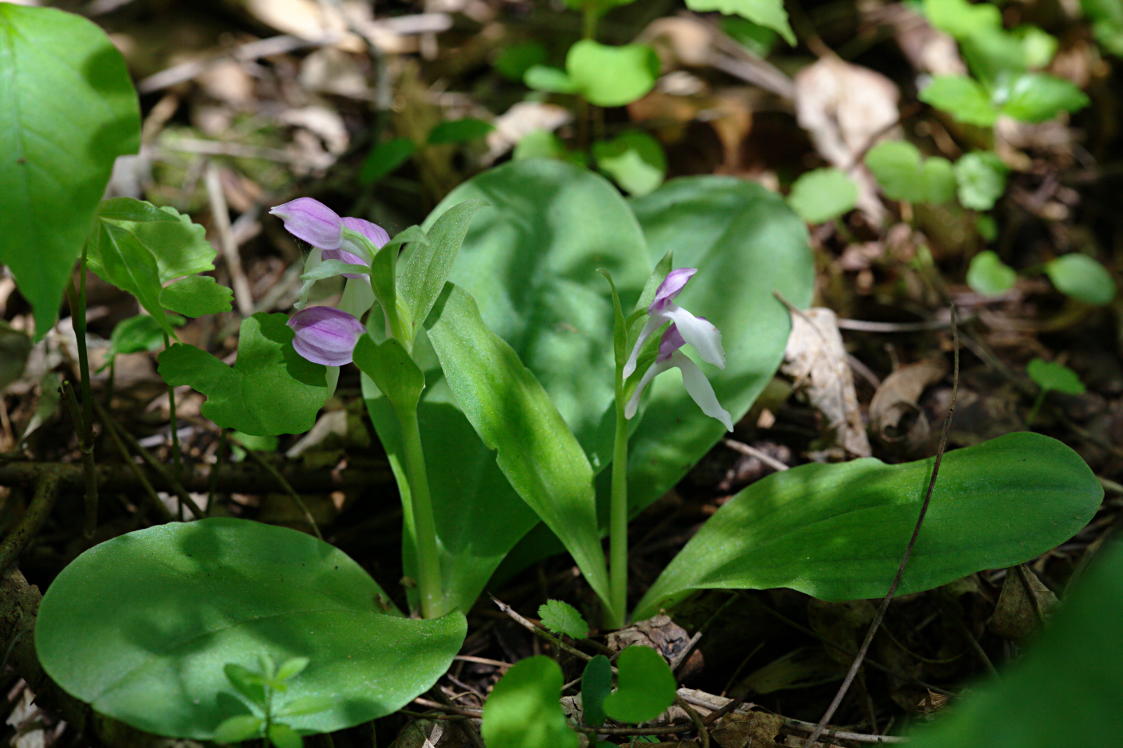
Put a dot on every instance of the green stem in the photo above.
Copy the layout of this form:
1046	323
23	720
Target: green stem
86	427
618	517
424	527
1036	407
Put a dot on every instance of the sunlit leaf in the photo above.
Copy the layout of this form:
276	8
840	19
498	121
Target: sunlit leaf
524	708
611	76
768	13
981	179
902	174
823	195
634	159
562	618
989	275
1081	277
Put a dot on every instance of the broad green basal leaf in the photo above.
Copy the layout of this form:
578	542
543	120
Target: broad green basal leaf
769	13
159	612
67	110
270	390
1065	690
611	76
837	532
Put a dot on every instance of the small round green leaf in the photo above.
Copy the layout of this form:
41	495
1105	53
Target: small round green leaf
1082	278
1037	97
562	618
645	686
981	177
160	612
961	97
989	275
1049	375
612	76
634	159
524	709
904	176
823	195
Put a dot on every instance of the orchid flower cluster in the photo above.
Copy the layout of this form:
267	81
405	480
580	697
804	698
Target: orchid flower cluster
323	334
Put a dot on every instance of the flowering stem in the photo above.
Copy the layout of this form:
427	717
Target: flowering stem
618	517
423	526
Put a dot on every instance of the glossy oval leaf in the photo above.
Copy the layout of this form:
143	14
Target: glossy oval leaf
837	532
524	709
67	110
1081	277
1065	690
611	76
142	626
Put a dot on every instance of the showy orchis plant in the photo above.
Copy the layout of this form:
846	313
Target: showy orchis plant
325	335
682	327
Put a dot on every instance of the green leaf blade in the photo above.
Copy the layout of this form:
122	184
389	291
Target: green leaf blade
634	159
161	610
195	296
67	110
611	76
961	97
989	275
562	618
823	195
645	686
524	708
1081	277
837	532
767	13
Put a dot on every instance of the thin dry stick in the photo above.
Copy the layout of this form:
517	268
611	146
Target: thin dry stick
530	626
884	607
42	501
750	451
221	215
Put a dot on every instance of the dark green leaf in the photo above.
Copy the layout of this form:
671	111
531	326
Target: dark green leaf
270	390
1066	687
246	682
459	131
158	611
645	686
837	531
596	684
562	618
1081	277
283	736
67	110
514	60
385	158
524	708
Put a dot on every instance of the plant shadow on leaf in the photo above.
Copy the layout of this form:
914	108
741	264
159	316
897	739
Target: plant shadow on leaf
163	611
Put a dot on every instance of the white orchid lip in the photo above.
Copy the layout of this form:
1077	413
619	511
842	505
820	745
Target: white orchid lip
685	329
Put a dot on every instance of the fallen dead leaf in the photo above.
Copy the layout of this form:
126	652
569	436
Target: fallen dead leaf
816	359
898	397
752	730
1022	605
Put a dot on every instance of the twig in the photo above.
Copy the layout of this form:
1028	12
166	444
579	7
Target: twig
884	607
42	501
538	631
169	479
221	215
287	488
696	719
750	451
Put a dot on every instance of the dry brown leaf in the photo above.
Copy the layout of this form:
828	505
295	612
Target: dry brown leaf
334	71
522	118
1022	604
845	108
897	397
816	359
926	47
752	730
680	41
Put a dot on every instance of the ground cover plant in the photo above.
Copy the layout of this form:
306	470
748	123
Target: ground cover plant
421	474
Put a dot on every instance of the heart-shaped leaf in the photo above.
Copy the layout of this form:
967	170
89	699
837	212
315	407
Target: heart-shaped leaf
645	686
611	76
67	110
524	708
837	531
159	612
270	389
